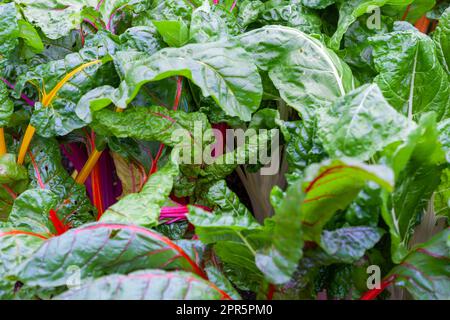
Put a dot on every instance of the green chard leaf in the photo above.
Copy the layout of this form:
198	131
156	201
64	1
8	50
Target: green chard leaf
99	249
425	271
418	164
135	286
350	244
15	247
410	76
292	15
333	185
306	73
218	68
212	23
46	170
30	211
143	208
59	118
349	12
279	258
9	29
441	37
360	124
56	18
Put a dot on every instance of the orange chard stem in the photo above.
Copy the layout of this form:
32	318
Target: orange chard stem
3	149
46	101
423	24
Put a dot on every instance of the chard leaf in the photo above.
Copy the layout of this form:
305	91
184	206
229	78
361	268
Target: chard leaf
292	15
216	276
360	124
350	244
441	37
410	75
239	265
10	171
135	286
171	10
13	180
442	196
303	147
30	211
143	208
142	38
6	105
150	124
99	249
317	4
249	10
212	23
231	222
15	247
279	258
349	12
45	167
175	33
418	164
56	18
9	29
333	185
425	271
61	83
222	79
306	73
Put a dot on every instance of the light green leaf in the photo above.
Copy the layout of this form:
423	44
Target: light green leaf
143	208
410	75
360	124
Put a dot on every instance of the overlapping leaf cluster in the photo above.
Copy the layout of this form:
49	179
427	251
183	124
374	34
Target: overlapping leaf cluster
356	93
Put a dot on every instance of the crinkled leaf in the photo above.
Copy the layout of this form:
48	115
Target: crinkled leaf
410	75
15	247
212	23
59	117
307	74
143	208
56	18
6	105
30	211
292	15
73	205
99	249
147	285
9	29
360	124
219	68
230	222
350	244
441	37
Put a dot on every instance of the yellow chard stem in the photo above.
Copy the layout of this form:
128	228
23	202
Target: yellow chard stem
89	165
2	142
29	133
46	101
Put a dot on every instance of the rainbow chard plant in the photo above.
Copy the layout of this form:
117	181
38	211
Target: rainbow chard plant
134	137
